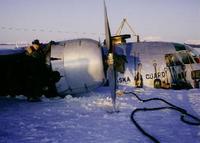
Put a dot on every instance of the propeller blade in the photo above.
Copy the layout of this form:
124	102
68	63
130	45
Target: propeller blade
107	29
111	74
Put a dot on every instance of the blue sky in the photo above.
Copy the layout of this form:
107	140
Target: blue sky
165	20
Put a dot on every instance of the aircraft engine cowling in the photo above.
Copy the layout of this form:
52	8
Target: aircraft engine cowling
80	65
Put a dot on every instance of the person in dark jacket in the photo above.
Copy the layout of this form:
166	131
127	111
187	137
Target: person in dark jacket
38	69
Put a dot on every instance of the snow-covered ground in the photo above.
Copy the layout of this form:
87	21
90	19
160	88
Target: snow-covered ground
85	119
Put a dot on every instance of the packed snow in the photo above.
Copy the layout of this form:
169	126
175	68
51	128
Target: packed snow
85	118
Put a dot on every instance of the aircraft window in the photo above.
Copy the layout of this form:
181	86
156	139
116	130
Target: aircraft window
172	60
179	47
195	54
186	58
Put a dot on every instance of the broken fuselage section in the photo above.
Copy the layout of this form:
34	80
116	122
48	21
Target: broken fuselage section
77	66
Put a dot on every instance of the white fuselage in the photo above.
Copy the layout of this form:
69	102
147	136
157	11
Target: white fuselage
150	60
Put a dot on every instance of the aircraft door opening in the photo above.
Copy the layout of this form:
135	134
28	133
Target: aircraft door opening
177	72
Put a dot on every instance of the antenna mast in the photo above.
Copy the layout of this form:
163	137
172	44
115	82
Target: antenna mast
124	21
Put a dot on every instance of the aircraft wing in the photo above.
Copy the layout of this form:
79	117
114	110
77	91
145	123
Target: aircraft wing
10	50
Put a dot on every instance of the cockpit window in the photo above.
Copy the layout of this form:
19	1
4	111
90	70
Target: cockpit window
184	54
179	47
186	58
195	54
172	60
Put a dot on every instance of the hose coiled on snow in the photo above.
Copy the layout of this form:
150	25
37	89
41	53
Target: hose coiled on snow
171	106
